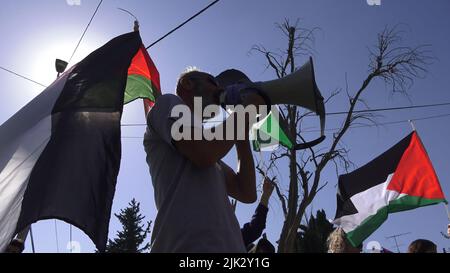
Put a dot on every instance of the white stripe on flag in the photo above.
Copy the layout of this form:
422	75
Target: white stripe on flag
368	203
14	177
22	140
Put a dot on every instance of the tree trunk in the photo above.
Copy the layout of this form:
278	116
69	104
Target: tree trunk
288	235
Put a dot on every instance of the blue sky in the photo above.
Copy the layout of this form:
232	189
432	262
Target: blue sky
34	33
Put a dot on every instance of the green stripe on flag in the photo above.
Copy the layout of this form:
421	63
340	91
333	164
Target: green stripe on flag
268	133
411	202
372	223
139	87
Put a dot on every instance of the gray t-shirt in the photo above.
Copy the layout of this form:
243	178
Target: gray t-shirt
194	212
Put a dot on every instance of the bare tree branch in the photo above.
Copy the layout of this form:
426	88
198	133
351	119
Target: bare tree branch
389	61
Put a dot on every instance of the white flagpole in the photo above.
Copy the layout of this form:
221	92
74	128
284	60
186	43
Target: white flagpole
448	212
70	235
448	216
412	125
56	236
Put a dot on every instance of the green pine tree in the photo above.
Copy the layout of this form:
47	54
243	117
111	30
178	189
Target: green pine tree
313	237
133	233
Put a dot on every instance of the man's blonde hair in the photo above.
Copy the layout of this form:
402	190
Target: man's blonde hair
188	71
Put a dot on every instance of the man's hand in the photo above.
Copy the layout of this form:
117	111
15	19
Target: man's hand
241	185
237	94
268	187
252	98
232	95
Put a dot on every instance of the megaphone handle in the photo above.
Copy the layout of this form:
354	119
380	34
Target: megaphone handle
309	144
264	97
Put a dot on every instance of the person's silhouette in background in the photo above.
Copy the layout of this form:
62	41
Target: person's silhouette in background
422	246
17	245
263	246
338	243
252	230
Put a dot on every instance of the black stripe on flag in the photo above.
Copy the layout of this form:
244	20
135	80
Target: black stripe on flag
74	179
373	173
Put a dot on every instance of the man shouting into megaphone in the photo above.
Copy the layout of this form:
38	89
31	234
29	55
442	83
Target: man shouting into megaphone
191	183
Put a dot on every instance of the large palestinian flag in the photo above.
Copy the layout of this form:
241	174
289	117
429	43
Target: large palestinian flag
60	154
400	179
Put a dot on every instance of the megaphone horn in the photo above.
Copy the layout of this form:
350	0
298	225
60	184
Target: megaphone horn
298	88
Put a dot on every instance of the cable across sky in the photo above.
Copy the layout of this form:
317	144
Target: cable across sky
202	11
88	25
86	29
351	127
182	24
21	76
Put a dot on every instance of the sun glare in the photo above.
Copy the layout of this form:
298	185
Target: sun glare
43	63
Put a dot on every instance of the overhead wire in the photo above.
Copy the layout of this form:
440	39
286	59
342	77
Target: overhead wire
85	30
182	24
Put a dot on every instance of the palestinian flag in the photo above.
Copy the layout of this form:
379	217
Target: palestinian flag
143	80
400	179
269	133
271	130
60	154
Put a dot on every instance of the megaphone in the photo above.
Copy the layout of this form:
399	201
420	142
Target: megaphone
298	88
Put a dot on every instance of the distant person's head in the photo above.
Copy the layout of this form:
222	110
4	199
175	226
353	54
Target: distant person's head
251	247
338	243
16	246
263	246
194	83
422	246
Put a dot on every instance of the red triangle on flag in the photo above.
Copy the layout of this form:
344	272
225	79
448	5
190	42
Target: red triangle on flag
415	175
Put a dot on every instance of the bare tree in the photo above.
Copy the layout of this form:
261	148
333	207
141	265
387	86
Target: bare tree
398	66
